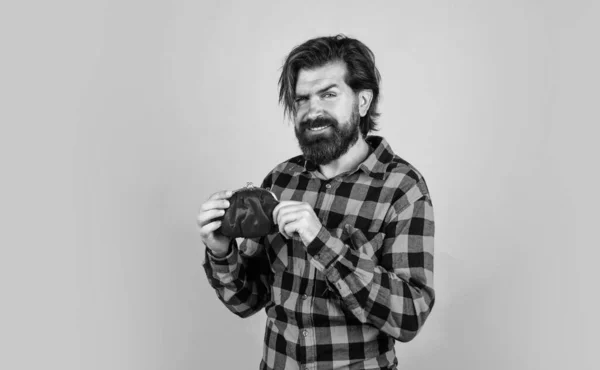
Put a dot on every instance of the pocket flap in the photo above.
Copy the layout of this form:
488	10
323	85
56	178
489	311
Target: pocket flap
360	242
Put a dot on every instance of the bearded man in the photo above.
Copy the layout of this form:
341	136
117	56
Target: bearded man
349	270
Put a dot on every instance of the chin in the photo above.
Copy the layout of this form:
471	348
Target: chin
317	139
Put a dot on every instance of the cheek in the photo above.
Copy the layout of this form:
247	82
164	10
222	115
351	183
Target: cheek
300	115
341	111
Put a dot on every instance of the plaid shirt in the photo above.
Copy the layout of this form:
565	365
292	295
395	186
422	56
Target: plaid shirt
365	281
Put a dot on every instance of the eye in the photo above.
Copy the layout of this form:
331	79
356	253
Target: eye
299	100
329	95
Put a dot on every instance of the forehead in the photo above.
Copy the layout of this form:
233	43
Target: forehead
319	77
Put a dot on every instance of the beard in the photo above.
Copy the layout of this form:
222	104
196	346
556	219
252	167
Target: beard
324	147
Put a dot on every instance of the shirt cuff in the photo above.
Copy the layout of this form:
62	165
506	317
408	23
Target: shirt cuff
325	249
224	263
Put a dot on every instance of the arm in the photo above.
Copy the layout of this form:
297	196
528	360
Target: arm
241	281
396	295
242	278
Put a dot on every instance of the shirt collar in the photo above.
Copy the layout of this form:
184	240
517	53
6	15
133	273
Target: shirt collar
374	165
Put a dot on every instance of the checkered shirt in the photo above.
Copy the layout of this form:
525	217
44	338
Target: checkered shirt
364	282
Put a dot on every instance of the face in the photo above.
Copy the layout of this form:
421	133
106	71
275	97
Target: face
327	113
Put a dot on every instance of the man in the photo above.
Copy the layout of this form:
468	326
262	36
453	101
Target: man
350	269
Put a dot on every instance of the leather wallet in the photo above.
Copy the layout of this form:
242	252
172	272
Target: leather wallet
250	213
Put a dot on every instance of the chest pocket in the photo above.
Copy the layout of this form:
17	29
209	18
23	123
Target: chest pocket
357	240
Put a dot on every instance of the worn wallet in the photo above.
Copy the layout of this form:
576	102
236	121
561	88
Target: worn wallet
250	213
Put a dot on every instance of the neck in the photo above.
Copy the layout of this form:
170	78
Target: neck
355	155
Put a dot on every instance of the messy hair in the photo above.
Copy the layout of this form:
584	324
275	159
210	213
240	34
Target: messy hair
360	64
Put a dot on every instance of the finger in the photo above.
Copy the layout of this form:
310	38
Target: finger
280	226
292	228
283	205
208	230
286	218
214	204
224	194
284	221
205	217
277	209
292	211
281	230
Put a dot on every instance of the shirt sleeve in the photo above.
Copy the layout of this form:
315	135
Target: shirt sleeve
395	294
242	279
241	282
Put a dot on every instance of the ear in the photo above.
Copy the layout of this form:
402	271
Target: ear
364	101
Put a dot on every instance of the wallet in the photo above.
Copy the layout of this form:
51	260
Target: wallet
250	213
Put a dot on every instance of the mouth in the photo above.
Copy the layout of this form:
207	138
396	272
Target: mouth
319	128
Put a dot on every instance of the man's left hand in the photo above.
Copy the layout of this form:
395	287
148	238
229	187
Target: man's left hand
297	217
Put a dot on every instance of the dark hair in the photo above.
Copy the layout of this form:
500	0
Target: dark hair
360	64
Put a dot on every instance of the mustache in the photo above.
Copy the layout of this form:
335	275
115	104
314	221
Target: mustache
318	122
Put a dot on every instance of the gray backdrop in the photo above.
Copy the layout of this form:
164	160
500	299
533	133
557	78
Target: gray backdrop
119	118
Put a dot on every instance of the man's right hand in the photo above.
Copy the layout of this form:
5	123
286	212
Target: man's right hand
214	208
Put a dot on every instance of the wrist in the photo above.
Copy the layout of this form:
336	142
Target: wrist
311	235
220	253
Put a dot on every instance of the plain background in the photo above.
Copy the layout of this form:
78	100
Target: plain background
119	118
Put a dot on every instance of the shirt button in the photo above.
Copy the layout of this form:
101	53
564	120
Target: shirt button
304	296
328	186
305	333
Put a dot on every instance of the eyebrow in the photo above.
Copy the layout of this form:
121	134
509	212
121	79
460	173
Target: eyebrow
318	92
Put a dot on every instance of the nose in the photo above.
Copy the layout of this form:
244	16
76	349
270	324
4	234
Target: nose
315	109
